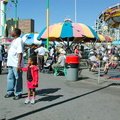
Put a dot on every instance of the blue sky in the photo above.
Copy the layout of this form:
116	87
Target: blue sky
87	11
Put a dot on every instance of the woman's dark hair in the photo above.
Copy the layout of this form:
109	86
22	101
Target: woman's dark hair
76	47
34	59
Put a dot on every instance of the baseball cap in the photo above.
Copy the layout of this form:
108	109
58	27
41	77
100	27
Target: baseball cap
63	52
91	52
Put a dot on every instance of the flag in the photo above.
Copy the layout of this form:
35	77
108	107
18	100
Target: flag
4	0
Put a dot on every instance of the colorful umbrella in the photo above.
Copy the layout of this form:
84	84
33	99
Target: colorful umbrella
105	38
68	30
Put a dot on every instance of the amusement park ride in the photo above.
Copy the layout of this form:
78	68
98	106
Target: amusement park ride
108	22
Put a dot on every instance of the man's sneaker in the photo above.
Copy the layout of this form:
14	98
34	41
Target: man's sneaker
17	97
9	95
32	101
27	101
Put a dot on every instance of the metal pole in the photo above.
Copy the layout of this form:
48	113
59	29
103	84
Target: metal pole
15	19
3	17
47	23
75	12
2	20
99	72
5	25
16	13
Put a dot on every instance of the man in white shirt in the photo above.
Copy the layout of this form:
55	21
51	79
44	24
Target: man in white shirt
53	53
41	51
14	63
91	60
92	56
61	61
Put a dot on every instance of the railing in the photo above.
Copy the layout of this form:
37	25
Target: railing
113	75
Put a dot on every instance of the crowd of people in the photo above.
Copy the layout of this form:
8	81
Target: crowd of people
18	54
106	56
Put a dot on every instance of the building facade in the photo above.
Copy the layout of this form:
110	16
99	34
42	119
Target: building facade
26	25
10	25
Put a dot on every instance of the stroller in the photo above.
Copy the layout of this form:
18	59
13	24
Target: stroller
47	68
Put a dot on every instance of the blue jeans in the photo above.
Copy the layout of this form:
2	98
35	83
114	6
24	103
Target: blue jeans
14	81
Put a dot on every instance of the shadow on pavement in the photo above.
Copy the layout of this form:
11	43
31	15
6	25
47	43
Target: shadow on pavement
58	103
49	98
82	78
47	91
43	92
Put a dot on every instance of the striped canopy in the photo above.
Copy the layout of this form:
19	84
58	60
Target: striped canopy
105	38
68	30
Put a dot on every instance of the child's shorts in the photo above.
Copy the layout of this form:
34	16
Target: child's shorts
96	64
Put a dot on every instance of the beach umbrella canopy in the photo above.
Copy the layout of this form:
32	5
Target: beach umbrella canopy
30	38
68	30
105	38
24	36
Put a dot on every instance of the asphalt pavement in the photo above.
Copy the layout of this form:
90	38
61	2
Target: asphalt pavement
60	99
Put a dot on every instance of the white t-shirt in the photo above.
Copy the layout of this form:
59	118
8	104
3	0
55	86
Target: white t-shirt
92	58
41	51
62	59
16	47
51	51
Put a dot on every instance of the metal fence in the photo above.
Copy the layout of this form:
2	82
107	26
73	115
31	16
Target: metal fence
112	76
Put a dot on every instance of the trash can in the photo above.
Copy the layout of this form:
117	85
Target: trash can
72	67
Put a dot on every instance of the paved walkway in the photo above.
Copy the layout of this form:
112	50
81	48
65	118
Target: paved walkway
60	99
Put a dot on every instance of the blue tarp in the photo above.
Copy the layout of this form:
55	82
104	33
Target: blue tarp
116	42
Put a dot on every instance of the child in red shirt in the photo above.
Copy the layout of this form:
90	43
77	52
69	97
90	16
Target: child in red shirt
32	78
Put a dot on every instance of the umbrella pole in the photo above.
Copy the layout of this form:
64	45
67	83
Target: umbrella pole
62	41
67	41
62	44
95	42
73	41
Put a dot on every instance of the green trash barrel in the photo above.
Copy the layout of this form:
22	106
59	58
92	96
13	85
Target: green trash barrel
72	67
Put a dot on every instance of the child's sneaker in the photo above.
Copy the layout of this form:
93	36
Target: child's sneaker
105	72
32	101
27	101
